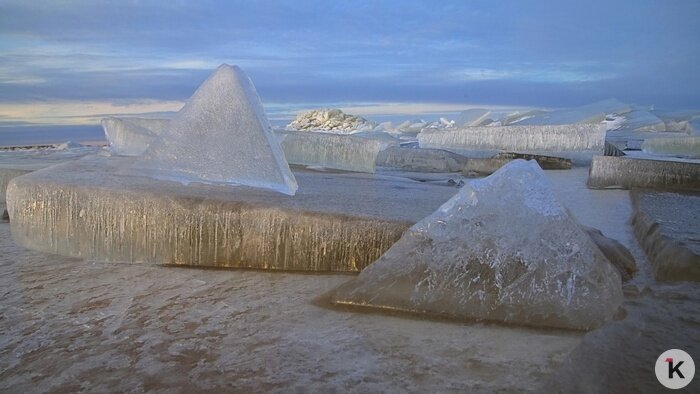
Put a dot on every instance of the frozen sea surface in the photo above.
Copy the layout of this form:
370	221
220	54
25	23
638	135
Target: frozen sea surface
44	135
70	325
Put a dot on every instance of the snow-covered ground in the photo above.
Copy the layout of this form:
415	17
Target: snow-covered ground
615	114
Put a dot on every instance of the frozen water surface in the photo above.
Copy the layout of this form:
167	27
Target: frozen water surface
70	324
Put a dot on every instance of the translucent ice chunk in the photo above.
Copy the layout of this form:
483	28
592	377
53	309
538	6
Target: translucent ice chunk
342	152
221	136
589	113
642	173
501	249
472	117
420	160
674	146
640	120
572	137
132	136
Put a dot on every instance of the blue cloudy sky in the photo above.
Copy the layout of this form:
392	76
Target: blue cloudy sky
66	62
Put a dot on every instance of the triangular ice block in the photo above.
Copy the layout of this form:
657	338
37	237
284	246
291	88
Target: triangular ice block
221	136
502	249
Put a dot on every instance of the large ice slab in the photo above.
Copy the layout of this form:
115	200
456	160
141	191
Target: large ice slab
342	152
132	136
667	226
420	159
98	208
502	249
629	173
674	146
517	138
221	136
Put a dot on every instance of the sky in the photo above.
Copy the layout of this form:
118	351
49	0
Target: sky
73	62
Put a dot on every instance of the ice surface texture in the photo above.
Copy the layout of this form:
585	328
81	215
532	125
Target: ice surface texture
342	152
502	249
517	138
132	136
221	136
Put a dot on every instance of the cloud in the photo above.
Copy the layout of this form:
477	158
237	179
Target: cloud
538	53
81	112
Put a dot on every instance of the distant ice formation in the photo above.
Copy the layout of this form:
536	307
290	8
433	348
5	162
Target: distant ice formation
337	122
68	145
688	147
330	120
590	113
473	117
642	120
502	249
220	136
572	137
416	125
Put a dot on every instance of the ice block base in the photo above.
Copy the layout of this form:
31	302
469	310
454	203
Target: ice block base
100	208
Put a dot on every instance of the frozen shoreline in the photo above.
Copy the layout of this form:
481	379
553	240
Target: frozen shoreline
71	324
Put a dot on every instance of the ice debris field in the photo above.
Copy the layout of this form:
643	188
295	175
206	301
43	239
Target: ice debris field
467	245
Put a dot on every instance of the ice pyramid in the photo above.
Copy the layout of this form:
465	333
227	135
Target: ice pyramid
502	249
221	136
